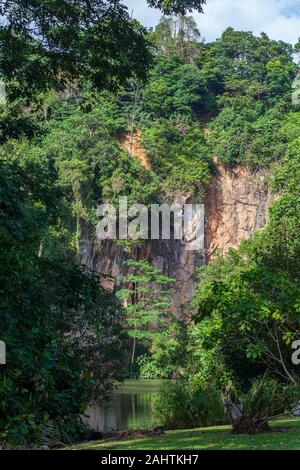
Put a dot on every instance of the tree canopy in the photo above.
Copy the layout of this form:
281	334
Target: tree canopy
177	7
47	44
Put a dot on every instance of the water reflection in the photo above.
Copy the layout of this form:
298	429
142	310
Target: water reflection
130	407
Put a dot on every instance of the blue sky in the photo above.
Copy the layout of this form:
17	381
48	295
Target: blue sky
280	19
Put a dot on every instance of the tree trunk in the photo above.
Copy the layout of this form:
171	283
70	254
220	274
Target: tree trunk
242	424
234	407
133	350
77	233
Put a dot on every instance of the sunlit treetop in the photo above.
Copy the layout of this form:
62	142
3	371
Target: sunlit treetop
177	7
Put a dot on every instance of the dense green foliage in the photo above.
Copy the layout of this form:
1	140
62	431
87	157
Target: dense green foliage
54	317
177	6
46	44
167	355
182	404
256	83
63	152
266	399
248	302
253	294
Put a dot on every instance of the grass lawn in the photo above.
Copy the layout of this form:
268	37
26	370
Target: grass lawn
213	438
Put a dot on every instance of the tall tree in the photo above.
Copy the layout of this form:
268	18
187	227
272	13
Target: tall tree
178	35
48	43
146	299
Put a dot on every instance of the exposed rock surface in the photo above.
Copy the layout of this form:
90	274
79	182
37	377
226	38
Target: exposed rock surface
235	206
171	256
133	145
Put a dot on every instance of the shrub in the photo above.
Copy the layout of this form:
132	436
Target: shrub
63	351
180	405
265	400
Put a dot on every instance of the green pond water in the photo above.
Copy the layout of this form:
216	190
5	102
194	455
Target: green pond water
130	407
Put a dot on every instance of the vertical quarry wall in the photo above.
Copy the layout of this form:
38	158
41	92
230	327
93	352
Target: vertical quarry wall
235	206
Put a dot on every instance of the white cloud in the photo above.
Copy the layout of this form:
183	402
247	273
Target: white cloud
280	19
141	11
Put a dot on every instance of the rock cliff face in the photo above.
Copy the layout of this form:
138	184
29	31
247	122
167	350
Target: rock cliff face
170	256
235	206
175	258
132	143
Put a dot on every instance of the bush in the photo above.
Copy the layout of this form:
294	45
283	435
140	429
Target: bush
265	400
168	353
62	352
181	405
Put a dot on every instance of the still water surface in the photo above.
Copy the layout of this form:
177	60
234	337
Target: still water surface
130	407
